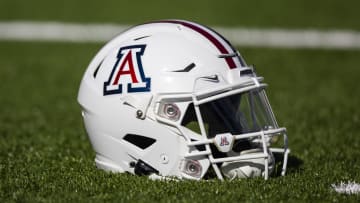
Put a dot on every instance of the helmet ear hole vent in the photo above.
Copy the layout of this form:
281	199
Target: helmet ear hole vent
140	141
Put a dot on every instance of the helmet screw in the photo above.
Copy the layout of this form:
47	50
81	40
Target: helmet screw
132	164
139	113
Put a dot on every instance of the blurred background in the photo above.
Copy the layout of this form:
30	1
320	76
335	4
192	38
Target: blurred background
44	150
260	13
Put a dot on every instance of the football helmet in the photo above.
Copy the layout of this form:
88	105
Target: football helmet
173	98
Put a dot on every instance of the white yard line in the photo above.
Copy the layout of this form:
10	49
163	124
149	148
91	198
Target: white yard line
70	32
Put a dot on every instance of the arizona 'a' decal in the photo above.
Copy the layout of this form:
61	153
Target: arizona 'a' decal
128	72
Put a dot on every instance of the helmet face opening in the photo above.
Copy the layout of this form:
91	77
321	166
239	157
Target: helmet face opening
236	114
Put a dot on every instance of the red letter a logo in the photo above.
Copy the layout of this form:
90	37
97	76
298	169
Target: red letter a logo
127	61
127	74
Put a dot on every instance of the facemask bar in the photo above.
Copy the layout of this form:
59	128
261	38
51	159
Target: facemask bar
264	135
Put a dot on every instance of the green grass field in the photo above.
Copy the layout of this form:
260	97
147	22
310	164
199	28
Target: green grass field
261	13
45	155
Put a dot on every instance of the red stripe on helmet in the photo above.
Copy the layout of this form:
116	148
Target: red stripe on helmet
212	39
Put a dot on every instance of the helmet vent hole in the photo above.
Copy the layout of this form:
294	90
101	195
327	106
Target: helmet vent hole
97	69
140	141
143	37
246	71
188	68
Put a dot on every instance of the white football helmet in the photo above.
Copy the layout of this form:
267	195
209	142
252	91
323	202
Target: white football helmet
173	98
